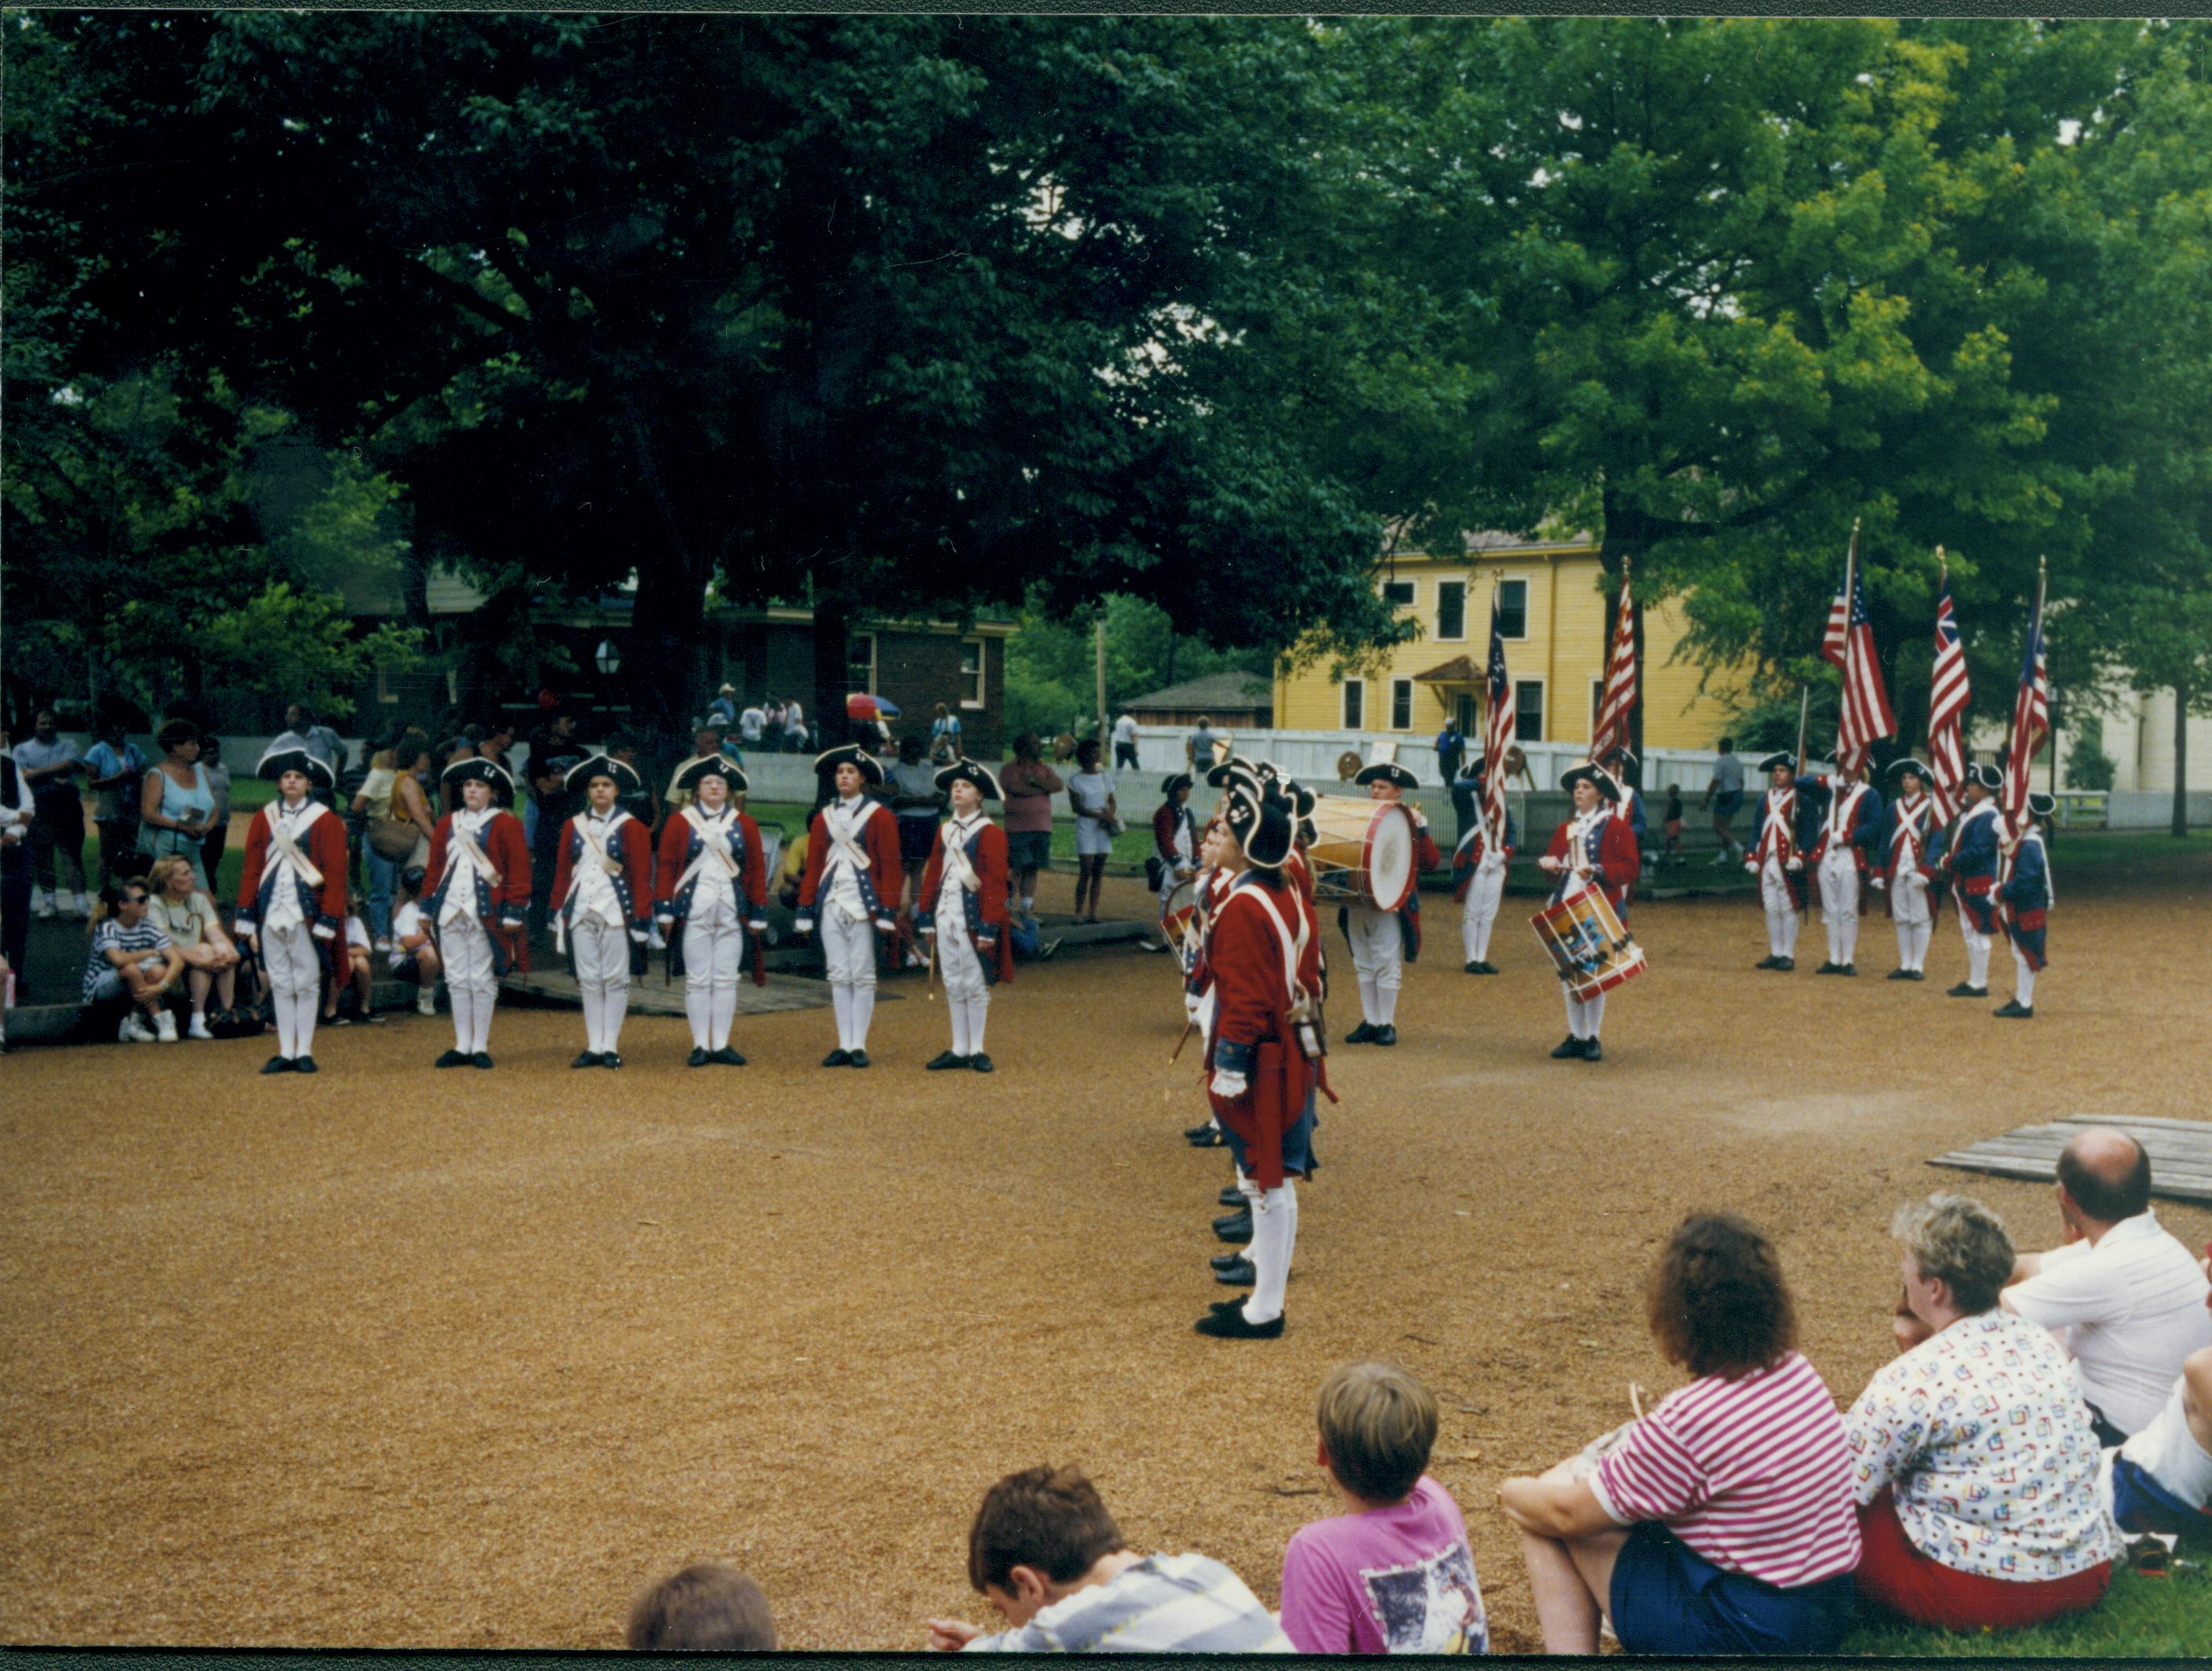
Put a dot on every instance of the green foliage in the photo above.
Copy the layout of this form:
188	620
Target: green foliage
2140	1617
1051	664
2088	765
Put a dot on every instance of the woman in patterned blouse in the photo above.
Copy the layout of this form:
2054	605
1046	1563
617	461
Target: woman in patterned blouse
1974	1462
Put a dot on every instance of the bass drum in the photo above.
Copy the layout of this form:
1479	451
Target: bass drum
1363	852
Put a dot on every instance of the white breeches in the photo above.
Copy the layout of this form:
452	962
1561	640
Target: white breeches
1839	904
1275	1238
849	949
1378	960
601	950
1584	1015
1978	949
2023	979
294	957
967	994
1781	910
713	952
1478	913
1908	897
471	984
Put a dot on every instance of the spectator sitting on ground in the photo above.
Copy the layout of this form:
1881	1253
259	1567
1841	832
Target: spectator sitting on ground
359	975
2123	1296
414	953
1719	1522
1974	1464
1044	1552
134	960
704	1609
1394	1573
2161	1480
186	913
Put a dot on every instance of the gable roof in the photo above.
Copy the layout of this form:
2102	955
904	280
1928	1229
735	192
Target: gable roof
1235	692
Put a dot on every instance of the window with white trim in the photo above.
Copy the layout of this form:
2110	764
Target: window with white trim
1451	609
1402	704
860	662
1355	704
975	665
1513	609
1528	711
1401	594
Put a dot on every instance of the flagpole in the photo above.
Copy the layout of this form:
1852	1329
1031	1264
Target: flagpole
1850	601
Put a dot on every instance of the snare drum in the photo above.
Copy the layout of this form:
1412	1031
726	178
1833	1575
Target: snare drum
1179	916
1588	942
1363	852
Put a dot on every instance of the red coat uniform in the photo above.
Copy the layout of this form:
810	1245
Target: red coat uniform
1254	1030
324	907
681	848
1614	859
633	850
879	841
499	908
1299	869
986	911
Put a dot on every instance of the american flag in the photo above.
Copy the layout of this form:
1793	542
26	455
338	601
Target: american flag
1949	694
1849	643
1497	732
2031	716
1611	731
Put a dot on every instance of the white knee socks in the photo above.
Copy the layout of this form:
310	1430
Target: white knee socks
2023	981
1370	1003
699	1008
1912	944
1585	1016
967	1024
863	1012
462	1001
287	1032
1386	1005
480	1022
721	1013
841	1000
1977	960
1274	1234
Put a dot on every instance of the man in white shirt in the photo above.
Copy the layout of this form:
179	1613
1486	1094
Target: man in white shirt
2123	1296
1124	742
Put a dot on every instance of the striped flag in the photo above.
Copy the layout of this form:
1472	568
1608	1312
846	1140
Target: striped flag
1849	643
1497	731
2031	716
1948	697
1611	731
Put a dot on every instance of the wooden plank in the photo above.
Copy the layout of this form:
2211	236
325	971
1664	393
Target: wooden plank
2124	1120
2048	1154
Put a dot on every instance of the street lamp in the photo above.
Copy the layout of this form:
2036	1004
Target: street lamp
607	657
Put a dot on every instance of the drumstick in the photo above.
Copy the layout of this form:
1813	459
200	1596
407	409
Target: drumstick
1185	1039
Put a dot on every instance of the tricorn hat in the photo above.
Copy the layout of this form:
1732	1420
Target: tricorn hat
1776	762
971	771
1386	771
1234	769
711	765
852	754
1987	775
2041	804
277	762
1596	776
1176	781
477	769
1262	824
1918	769
580	777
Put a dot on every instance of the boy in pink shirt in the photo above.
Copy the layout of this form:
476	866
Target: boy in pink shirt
1394	1573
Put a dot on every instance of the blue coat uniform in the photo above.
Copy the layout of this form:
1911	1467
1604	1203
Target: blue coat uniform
1970	863
2026	895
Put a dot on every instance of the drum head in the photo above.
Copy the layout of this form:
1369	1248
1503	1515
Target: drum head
1390	856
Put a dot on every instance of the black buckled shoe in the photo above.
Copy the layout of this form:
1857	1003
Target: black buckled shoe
1785	964
1916	974
1359	1035
1829	968
1234	1227
283	1065
1231	1196
305	1064
589	1059
1207	1136
2015	1010
1237	1273
481	1059
1474	967
1900	975
1768	961
452	1059
1230	1325
727	1057
698	1058
1962	990
1567	1049
608	1058
838	1058
1385	1035
1593	1051
1224	1261
1851	969
944	1059
857	1058
981	1063
1486	967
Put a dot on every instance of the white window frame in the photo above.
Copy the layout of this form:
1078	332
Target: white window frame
980	697
1397	687
1345	691
1543	710
869	689
1466	597
1527	589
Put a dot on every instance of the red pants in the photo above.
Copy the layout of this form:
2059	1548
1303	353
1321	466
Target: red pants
1895	1576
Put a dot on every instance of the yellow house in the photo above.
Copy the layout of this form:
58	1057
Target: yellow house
1556	624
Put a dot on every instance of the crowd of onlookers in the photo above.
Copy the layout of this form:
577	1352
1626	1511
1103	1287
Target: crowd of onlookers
2047	1418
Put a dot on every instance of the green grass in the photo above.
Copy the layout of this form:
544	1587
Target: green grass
2141	1617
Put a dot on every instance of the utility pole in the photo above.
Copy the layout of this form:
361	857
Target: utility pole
1103	761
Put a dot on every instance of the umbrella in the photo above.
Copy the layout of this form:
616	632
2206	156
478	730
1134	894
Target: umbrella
859	705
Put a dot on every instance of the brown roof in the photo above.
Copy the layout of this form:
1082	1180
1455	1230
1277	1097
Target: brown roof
1460	670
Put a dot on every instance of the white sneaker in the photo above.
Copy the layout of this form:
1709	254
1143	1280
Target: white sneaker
199	1027
84	908
133	1031
46	906
164	1028
384	945
425	1002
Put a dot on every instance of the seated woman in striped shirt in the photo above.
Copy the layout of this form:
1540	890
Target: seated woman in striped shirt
1722	1522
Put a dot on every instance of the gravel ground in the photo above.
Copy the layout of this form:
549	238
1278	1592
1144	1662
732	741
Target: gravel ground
395	1358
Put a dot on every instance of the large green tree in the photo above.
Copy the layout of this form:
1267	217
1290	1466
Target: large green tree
879	313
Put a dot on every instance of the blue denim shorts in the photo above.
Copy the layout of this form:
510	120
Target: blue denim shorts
1669	1599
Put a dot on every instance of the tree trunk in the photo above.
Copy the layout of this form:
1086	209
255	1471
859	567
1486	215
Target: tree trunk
833	624
664	671
2180	827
